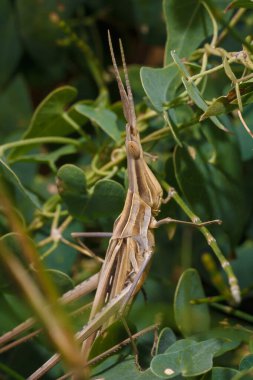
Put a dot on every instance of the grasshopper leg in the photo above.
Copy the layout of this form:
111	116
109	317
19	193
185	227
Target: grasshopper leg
197	223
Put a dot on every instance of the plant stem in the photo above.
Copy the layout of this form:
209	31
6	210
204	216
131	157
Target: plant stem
38	141
214	23
233	283
243	79
8	371
219	298
231	311
209	71
234	20
208	300
73	124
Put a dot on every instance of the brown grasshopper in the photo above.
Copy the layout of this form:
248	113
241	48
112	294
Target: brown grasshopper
132	243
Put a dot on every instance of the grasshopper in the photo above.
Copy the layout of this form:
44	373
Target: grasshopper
132	242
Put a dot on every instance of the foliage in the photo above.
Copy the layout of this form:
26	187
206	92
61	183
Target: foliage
63	170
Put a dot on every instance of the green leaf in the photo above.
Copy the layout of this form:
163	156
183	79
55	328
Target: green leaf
50	118
105	119
9	44
165	340
107	199
241	4
112	336
197	98
16	93
228	70
13	311
61	279
190	319
232	338
219	106
235	334
213	184
124	370
243	375
180	64
187	25
186	357
251	345
49	158
9	175
246	362
160	85
244	140
242	263
71	183
228	103
220	373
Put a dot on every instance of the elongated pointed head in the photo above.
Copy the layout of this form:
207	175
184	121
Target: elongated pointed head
141	179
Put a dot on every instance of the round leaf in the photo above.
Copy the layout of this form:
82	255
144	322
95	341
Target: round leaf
165	340
10	176
190	319
71	183
104	118
186	21
61	279
160	84
219	373
241	4
246	362
211	179
186	357
124	370
107	199
50	118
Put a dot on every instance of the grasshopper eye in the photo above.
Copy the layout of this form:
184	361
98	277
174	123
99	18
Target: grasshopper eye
133	149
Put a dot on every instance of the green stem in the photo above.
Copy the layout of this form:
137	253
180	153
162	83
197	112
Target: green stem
219	298
37	141
234	20
8	371
208	300
233	283
96	170
49	250
229	26
210	71
216	276
214	23
172	128
73	124
231	311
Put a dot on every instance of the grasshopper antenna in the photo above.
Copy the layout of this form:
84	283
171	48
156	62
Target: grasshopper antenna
123	94
128	87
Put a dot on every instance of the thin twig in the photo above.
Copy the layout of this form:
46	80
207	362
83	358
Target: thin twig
244	123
